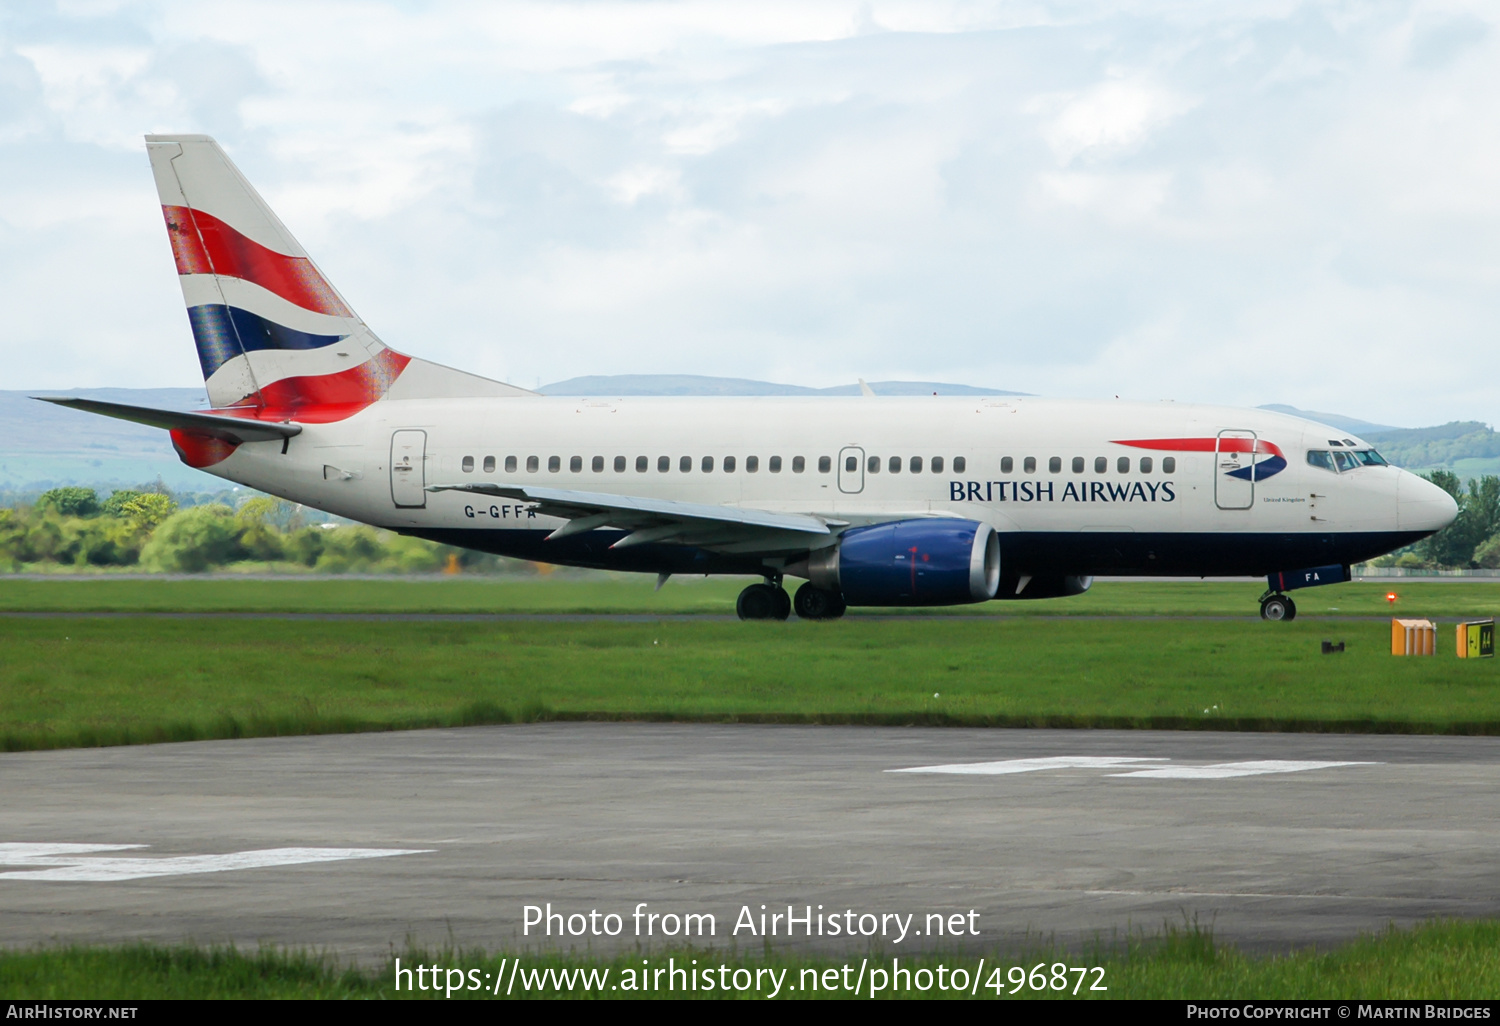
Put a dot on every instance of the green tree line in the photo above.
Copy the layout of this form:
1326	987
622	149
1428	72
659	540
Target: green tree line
147	530
74	527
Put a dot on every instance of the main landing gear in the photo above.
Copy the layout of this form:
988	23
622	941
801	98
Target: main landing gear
1276	606
814	603
767	601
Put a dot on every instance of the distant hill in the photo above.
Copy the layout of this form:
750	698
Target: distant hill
695	384
1461	445
1466	447
1351	424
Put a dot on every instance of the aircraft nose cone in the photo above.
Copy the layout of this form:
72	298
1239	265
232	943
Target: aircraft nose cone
1422	505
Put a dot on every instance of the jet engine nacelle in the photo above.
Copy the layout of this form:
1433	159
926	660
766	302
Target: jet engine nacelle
912	563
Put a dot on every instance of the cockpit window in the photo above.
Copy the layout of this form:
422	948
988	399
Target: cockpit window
1345	459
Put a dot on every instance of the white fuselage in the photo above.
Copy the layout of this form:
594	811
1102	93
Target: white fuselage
862	460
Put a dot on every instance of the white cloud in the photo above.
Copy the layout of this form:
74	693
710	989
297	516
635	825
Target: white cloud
1261	201
1107	120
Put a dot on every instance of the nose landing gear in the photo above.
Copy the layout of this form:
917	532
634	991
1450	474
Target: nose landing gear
1274	606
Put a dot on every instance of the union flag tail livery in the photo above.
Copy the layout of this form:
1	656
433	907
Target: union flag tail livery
874	501
271	332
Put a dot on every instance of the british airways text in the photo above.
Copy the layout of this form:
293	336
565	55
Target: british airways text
1072	491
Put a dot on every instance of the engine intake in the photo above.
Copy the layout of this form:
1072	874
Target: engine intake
912	563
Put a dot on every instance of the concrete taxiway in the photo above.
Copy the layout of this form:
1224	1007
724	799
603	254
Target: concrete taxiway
360	843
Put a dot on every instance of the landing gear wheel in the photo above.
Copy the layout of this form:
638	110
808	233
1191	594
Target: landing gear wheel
815	603
763	602
783	604
1278	607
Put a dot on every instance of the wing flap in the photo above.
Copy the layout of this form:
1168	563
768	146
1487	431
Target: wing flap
658	520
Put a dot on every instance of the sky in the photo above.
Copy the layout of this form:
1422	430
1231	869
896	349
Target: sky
1238	202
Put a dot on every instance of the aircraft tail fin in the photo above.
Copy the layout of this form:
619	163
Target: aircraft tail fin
270	329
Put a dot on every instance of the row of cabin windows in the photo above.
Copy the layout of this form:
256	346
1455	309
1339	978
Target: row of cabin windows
730	464
873	464
895	463
1101	465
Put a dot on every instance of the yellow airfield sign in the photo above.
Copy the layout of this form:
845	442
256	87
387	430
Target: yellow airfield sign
1476	639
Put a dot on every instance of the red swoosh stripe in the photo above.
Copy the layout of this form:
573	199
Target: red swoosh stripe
320	399
324	398
1226	444
203	244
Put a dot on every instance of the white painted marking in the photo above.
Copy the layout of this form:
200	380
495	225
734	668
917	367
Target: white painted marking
1223	770
74	862
1028	765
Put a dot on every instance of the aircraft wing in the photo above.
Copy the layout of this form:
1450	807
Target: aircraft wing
726	528
230	429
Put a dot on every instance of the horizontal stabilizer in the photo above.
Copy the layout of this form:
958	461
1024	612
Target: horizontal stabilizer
234	430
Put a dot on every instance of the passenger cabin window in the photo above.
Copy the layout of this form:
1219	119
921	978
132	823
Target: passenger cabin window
873	464
916	464
1169	464
642	464
533	464
510	464
554	464
1006	464
937	464
752	464
489	464
575	464
1054	465
1123	464
729	464
619	464
895	465
685	464
1320	458
1029	464
708	464
598	464
851	463
663	464
959	464
1078	464
468	464
774	464
1145	464
1101	464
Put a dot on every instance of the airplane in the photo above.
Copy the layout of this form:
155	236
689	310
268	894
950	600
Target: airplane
872	501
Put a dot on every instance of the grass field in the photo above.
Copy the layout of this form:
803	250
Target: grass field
634	594
1438	960
69	681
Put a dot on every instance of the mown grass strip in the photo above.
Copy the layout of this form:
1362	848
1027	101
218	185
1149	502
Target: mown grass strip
68	682
635	594
1437	960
